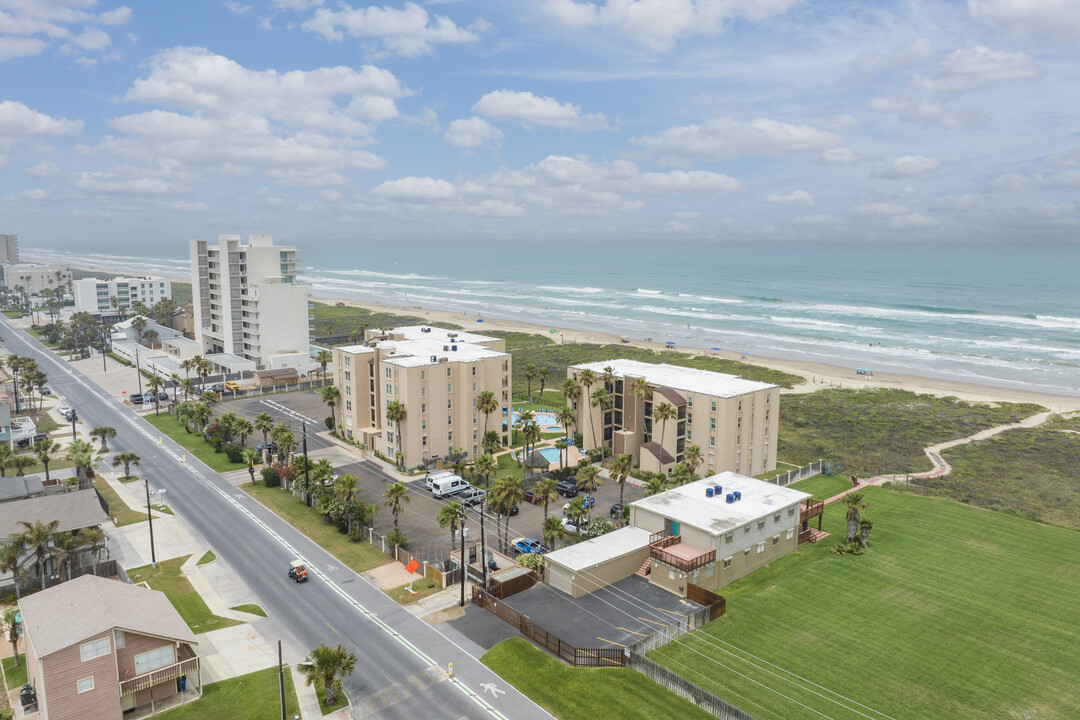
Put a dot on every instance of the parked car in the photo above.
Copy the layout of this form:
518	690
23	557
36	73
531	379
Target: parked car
618	511
36	439
232	386
525	545
569	526
137	399
217	388
65	411
471	496
566	488
270	447
530	495
511	511
46	391
163	396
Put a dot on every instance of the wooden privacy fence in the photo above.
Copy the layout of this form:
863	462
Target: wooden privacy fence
578	657
715	604
503	590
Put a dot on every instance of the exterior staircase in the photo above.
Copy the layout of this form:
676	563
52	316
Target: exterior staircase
645	568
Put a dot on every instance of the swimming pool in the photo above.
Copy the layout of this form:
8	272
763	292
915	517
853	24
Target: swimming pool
547	421
550	454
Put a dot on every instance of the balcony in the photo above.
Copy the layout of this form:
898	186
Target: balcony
161	675
671	550
811	510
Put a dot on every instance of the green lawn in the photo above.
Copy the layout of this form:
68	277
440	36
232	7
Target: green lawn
585	693
359	556
16	676
823	487
254	696
167	424
422	586
953	612
345	320
881	431
208	557
1029	471
508	466
181	293
168	579
250	608
340	700
117	507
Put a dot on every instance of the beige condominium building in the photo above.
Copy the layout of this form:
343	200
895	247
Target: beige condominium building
9	248
437	375
249	303
733	421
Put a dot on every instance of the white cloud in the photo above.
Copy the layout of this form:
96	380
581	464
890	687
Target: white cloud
872	61
46	170
184	206
297	5
27	27
838	156
839	123
725	138
676	227
92	39
817	220
914	221
1053	19
923	112
34	194
17	120
236	8
1015	182
658	24
17	47
1066	158
972	68
471	132
496	208
407	31
422	189
906	166
903	192
880	209
535	110
686	214
966	202
795	198
127	182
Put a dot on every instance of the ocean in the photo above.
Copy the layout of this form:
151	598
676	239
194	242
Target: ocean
990	314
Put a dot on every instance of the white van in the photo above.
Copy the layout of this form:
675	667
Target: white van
445	486
432	477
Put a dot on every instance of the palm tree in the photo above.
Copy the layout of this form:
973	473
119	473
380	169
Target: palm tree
20	464
174	380
227	424
552	532
566	417
11	624
188	386
38	538
150	336
127	459
561	446
541	375
620	468
530	371
448	517
345	487
264	423
544	494
396	494
95	540
569	390
103	433
587	379
330	395
511	493
693	458
663	412
531	435
82	456
139	323
40	380
321	473
11	562
589	481
680	474
155	384
602	399
642	390
66	547
395	413
487	404
328	665
655	484
286	443
854	501
324	358
201	414
243	428
250	456
485	466
204	368
44	450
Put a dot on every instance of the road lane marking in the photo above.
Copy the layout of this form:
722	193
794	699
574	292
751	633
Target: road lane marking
332	628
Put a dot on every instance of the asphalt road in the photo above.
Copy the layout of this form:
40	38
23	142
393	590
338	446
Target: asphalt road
401	660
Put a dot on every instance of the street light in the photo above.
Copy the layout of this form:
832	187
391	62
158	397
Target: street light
150	518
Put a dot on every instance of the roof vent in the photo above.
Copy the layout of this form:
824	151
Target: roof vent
453	348
730	497
737	494
717	489
708	492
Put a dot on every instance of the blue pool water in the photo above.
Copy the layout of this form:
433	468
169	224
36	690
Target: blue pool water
544	420
550	454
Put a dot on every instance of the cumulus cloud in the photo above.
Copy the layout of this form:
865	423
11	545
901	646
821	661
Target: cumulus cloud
17	120
839	122
914	221
906	166
817	220
1053	19
127	181
966	202
923	112
471	132
838	156
724	138
658	25
879	209
872	61
795	198
28	27
409	31
534	110
1016	182
972	68
422	189
1066	158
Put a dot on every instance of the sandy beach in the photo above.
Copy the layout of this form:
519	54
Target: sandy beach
818	375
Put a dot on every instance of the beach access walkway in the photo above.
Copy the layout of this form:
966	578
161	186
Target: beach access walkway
941	467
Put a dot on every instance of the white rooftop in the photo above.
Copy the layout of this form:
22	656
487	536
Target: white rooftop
689	505
599	550
181	342
426	332
680	378
417	352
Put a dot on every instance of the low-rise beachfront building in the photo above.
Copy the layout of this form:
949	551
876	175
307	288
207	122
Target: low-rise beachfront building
733	421
32	278
96	296
437	375
707	533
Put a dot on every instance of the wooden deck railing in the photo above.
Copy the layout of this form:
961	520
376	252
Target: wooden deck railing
665	540
657	553
811	510
156	677
804	536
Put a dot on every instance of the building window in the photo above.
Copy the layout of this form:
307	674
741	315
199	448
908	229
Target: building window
85	685
118	638
423	441
387	373
791	512
738	439
423	391
710	570
474	387
712	441
714	406
390	389
760	524
347	361
790	533
348	405
740	406
422	374
450	437
348	391
389	437
727	563
712	423
746	529
767	398
95	649
738	423
689	400
154	659
423	424
746	552
729	538
348	376
761	547
776	540
423	407
449	419
448	388
776	518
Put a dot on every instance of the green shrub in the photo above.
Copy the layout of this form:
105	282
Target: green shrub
396	538
270	478
234	452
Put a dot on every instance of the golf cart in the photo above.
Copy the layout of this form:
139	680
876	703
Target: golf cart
298	572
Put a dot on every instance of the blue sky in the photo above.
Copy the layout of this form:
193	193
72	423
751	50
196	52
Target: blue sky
720	120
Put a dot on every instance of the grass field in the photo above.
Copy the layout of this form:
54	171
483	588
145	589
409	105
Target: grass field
181	293
254	696
250	608
168	579
208	557
340	700
953	612
168	425
118	509
585	693
422	586
823	487
543	351
346	320
359	556
876	431
1029	471
16	676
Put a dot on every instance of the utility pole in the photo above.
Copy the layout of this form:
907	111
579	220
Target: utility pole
464	573
138	372
150	518
281	680
74	417
307	478
483	541
104	367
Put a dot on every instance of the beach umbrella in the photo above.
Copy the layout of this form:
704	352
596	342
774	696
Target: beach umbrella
717	349
670	342
553	330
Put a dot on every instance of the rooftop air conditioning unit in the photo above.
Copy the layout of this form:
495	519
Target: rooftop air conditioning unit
453	348
451	335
